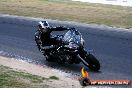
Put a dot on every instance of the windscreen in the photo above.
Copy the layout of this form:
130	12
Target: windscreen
73	36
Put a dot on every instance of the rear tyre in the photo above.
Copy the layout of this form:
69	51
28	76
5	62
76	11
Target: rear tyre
48	58
93	62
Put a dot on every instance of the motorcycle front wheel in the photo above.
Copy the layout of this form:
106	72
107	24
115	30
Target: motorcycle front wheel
93	63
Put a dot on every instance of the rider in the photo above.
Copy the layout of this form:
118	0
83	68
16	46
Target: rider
43	36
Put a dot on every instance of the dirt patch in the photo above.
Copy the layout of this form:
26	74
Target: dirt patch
62	82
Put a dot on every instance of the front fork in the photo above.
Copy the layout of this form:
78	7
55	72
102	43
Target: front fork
82	52
82	59
82	55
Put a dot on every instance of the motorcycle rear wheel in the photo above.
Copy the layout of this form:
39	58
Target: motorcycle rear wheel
49	58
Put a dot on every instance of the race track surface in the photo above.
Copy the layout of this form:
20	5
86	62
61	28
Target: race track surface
113	49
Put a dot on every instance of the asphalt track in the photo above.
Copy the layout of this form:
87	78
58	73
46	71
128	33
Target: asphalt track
112	47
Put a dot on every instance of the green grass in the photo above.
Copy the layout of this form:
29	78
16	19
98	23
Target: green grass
13	79
54	78
72	11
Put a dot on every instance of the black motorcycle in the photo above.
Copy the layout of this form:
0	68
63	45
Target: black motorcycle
71	50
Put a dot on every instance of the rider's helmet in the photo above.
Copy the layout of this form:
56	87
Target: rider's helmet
43	25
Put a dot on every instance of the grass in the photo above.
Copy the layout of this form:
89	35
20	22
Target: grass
13	79
72	11
54	78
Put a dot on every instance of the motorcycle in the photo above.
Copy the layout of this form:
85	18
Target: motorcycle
71	50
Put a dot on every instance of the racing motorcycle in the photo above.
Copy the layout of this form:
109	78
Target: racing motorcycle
71	50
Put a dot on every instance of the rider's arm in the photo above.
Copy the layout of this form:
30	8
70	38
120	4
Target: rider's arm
61	28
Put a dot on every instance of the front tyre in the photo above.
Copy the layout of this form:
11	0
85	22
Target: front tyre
93	63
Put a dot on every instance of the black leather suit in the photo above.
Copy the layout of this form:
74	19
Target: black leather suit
43	39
